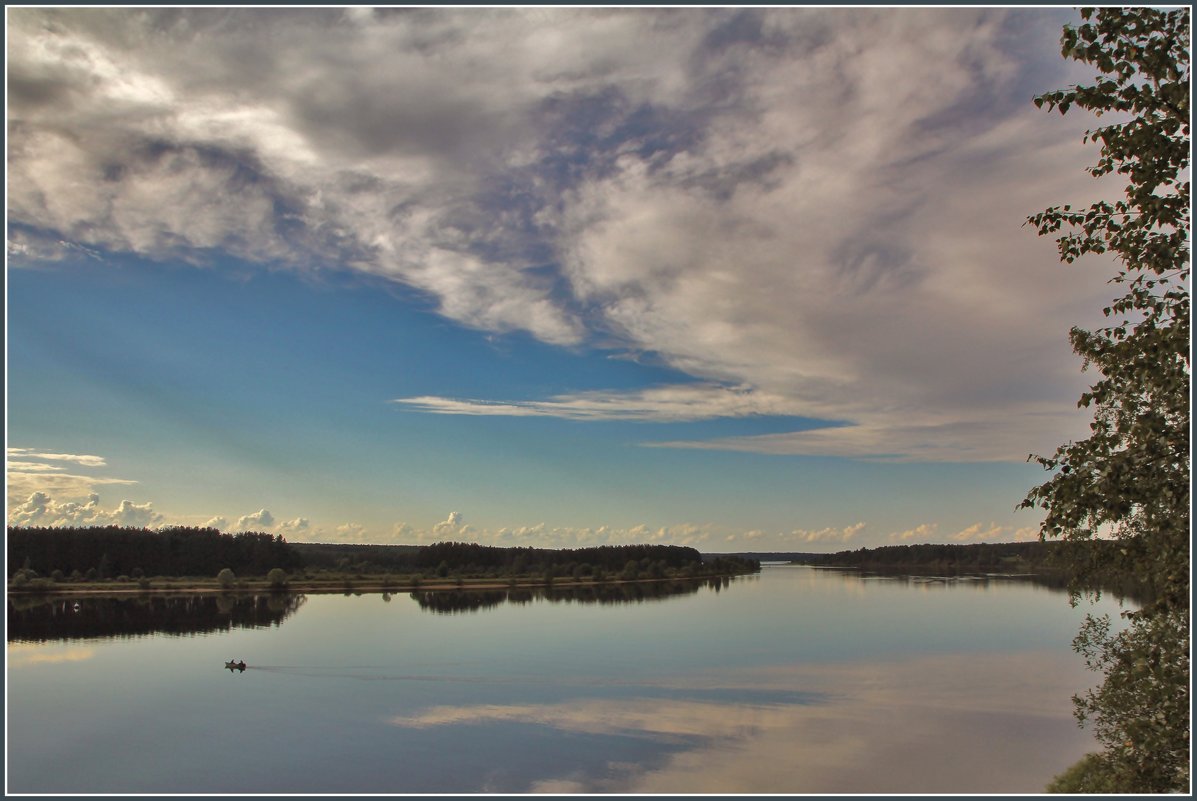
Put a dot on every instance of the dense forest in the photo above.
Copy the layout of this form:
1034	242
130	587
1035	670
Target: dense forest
111	552
644	561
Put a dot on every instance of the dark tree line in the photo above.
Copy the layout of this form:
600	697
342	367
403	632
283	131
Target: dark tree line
469	557
108	552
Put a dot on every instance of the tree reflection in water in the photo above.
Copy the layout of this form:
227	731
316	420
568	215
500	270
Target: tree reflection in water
32	619
462	601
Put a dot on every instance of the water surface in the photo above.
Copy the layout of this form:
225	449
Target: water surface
794	681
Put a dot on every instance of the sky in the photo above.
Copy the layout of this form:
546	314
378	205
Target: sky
744	279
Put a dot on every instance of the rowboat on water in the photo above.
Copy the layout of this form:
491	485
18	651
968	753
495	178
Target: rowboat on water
235	665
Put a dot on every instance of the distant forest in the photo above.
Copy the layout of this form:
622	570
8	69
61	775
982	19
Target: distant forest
108	552
1007	557
651	561
111	551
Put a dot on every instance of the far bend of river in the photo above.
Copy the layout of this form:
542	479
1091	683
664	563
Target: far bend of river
797	680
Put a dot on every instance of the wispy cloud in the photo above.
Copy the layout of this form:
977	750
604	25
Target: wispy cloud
83	460
1007	435
667	404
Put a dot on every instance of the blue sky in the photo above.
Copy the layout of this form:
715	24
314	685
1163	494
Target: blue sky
739	279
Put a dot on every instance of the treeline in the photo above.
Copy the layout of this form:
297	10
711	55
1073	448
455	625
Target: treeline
98	553
1056	560
113	551
469	558
1007	557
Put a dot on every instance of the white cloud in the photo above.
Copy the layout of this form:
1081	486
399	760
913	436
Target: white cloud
351	532
833	535
1026	534
812	210
454	526
219	523
33	473
674	403
924	532
83	460
979	532
136	514
259	520
40	509
296	526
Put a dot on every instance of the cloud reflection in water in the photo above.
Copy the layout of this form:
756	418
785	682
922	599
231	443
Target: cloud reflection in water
24	654
939	723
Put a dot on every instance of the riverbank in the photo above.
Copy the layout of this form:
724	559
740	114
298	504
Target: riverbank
338	585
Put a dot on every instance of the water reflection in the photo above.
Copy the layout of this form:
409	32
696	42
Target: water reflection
793	681
932	581
462	601
944	723
24	654
41	619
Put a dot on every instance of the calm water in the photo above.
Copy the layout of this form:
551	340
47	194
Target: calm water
793	681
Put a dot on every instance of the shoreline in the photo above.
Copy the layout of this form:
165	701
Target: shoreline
344	586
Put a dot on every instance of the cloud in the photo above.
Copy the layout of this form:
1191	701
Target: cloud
299	524
924	532
32	473
351	532
138	515
1026	534
676	403
40	509
219	523
452	526
811	210
898	440
978	532
83	460
834	535
259	520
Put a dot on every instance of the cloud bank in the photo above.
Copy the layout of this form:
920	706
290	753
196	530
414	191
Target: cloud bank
817	211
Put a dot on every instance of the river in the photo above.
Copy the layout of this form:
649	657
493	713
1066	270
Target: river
796	680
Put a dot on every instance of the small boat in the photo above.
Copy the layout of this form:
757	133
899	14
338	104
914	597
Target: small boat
235	665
